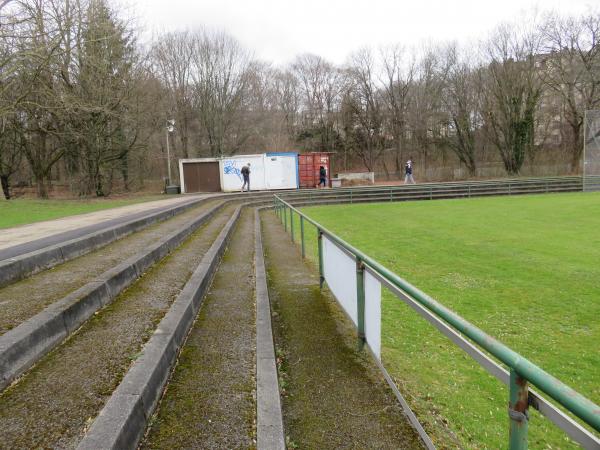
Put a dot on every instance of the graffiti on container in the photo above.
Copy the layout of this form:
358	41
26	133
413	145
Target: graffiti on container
230	169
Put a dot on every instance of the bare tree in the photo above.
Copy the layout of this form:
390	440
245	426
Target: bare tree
571	72
41	102
397	82
461	100
172	57
367	105
320	84
427	118
220	75
512	92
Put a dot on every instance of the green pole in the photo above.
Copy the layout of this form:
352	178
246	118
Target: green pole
360	300
302	236
292	224
320	241
517	411
285	218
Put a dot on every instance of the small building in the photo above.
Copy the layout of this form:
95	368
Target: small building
199	175
267	171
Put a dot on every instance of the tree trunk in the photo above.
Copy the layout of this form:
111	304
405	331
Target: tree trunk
577	149
5	186
42	189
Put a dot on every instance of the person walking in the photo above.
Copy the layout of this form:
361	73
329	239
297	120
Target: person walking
408	170
246	174
322	177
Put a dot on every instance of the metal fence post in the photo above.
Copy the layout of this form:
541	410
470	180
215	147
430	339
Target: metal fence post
285	218
302	236
517	411
320	241
360	302
292	223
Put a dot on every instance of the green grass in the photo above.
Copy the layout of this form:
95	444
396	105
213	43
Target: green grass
22	211
524	269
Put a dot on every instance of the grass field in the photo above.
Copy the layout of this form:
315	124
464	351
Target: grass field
524	269
21	211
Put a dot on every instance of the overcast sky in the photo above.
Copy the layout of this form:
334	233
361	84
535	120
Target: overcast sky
277	30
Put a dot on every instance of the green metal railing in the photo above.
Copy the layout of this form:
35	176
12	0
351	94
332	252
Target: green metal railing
522	371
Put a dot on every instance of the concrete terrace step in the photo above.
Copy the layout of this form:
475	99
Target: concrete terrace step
122	421
51	404
25	344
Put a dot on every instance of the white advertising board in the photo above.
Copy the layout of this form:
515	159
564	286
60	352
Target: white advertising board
373	313
231	175
339	270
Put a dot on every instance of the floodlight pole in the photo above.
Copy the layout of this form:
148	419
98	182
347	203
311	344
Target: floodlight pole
168	130
168	158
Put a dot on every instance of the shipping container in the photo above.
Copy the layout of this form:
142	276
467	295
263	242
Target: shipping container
308	168
281	170
231	172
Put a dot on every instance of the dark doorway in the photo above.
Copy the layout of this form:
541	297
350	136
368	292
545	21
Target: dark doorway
201	177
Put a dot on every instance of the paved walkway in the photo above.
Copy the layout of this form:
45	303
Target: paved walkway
25	238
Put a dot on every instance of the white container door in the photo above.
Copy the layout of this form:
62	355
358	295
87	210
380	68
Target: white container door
281	171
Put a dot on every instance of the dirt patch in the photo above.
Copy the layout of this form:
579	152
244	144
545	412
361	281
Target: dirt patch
24	299
209	401
333	395
51	405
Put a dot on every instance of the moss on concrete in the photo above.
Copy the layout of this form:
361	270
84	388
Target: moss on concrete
209	401
51	406
24	299
333	395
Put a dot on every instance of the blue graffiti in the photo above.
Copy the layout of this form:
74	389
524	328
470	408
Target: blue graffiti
230	169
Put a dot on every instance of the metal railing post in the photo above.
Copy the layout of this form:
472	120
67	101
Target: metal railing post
292	224
302	236
517	411
320	241
285	218
360	302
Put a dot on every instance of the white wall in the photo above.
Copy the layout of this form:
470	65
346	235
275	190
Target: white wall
231	176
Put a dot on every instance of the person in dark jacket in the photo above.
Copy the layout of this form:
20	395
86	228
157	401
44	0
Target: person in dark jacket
322	177
408	170
246	174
